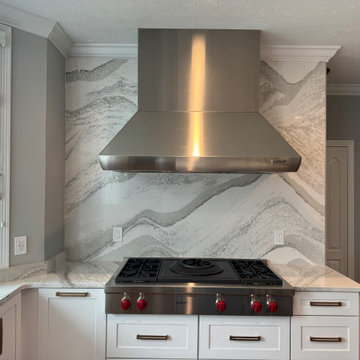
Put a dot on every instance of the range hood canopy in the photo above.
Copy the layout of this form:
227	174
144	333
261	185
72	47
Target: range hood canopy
198	108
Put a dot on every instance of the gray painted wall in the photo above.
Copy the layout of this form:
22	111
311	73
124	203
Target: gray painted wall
27	201
34	145
55	153
343	123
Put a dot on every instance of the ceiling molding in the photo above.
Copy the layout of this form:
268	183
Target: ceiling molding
343	89
60	39
24	20
37	25
107	50
297	52
268	52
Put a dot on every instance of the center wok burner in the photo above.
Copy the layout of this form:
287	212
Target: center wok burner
196	267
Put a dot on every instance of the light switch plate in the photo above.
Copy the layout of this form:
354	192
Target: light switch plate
278	237
20	245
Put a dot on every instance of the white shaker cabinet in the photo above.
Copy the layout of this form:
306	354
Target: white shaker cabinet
10	329
325	326
71	324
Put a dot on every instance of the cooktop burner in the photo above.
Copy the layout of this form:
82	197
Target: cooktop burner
196	267
227	271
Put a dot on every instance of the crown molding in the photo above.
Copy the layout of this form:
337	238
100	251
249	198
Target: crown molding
268	52
24	20
297	52
60	39
107	50
37	25
343	89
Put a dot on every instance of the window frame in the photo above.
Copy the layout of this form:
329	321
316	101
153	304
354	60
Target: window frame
5	138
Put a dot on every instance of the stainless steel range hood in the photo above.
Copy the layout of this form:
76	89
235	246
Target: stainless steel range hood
198	108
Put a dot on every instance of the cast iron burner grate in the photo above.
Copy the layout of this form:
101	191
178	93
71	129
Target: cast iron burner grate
255	272
139	270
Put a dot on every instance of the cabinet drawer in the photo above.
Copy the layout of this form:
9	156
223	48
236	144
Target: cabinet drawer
152	336
244	337
326	303
324	337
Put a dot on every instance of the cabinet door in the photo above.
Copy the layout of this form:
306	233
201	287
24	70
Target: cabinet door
10	323
71	324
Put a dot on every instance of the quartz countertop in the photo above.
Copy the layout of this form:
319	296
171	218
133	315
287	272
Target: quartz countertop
96	275
315	278
70	275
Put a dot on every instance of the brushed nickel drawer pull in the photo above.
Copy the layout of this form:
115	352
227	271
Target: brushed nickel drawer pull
325	303
244	338
72	294
325	339
152	337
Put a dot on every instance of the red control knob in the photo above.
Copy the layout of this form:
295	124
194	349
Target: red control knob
256	306
272	306
141	304
221	305
125	304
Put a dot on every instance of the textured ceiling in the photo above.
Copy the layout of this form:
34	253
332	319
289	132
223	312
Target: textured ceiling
283	22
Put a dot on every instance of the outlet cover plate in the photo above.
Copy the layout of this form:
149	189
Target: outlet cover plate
20	245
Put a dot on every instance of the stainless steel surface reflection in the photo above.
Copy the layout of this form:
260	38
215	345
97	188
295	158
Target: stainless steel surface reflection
198	96
199	142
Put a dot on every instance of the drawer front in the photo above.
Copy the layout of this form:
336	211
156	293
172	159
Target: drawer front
244	337
323	337
153	337
326	303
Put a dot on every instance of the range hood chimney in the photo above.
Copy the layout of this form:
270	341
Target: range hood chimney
198	94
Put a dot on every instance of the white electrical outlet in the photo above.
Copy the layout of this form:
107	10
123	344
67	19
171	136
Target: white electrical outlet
117	234
20	245
279	237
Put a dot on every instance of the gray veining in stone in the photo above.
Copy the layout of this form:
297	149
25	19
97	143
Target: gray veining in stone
217	215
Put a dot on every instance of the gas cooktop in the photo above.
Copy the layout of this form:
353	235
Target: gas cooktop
222	271
198	286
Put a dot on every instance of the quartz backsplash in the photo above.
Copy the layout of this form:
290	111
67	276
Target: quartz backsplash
182	215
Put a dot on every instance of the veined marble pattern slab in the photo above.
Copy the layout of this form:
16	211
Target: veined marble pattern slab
208	215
